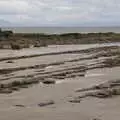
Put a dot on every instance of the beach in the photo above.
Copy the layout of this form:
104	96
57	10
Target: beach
53	76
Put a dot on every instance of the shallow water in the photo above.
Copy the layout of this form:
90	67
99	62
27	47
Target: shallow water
59	30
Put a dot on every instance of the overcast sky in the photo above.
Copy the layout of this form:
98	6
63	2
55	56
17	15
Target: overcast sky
59	12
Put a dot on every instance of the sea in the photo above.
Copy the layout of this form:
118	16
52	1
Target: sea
60	30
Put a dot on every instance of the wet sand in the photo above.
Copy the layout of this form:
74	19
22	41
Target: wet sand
88	109
61	92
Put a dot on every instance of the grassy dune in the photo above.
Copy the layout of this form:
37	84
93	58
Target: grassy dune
26	40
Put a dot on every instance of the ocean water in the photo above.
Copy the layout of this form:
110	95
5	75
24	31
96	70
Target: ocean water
59	30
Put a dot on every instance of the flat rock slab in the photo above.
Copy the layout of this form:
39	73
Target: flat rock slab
19	105
96	119
48	82
6	91
75	101
10	61
46	103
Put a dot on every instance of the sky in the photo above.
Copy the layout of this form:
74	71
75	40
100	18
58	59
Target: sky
60	13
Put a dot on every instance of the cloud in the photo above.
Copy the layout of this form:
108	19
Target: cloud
60	12
4	23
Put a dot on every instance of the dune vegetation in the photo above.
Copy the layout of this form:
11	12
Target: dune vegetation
10	40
